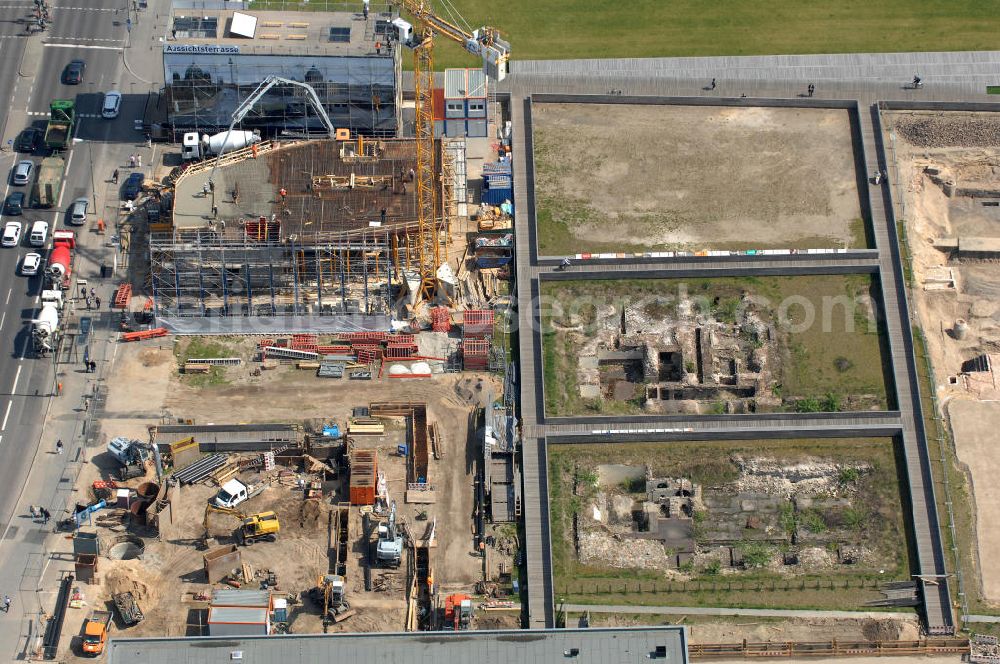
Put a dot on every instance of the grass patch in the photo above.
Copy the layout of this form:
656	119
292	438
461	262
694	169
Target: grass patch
202	347
845	587
840	354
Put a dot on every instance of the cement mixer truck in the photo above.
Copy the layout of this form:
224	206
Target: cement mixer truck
194	147
61	260
45	329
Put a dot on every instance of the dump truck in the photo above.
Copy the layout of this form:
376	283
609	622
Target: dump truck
48	183
62	116
95	632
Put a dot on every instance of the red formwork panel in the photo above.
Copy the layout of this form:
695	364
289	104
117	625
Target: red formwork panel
122	295
477	323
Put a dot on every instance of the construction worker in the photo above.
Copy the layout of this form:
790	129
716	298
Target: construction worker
100	229
283	193
378	47
253	150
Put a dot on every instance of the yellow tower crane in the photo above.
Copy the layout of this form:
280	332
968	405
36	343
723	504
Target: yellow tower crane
495	53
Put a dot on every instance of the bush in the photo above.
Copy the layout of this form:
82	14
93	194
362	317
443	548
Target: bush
713	568
842	364
755	554
854	518
809	405
830	403
848	476
813	522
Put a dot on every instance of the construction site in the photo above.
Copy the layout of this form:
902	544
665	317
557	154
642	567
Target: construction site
357	515
713	346
945	164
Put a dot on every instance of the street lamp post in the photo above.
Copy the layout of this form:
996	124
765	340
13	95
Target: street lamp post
90	156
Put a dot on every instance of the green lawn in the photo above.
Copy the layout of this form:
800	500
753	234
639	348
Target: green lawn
822	363
561	29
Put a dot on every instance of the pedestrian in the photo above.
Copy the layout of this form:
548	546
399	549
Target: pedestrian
59	443
45	515
131	161
149	142
366	8
138	160
34	514
114	177
97	303
564	264
6	604
83	291
93	366
712	86
86	366
812	89
88	303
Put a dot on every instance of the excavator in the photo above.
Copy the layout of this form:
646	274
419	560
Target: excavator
252	528
329	593
458	612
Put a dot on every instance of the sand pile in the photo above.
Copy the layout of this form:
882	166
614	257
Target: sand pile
132	576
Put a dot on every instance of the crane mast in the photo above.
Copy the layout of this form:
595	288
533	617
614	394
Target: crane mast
484	42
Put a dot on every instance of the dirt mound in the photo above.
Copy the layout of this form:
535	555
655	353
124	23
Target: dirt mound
132	576
880	630
153	357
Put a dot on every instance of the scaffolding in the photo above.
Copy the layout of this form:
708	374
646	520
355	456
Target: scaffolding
198	273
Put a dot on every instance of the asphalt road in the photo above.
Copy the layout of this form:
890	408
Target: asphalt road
94	31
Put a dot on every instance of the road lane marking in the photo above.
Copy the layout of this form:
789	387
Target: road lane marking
2	319
17	377
11	290
3	427
90	46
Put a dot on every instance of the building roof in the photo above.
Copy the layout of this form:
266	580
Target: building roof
240	615
234	597
221	31
464	84
578	646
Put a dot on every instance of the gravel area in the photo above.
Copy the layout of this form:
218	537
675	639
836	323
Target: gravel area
952	130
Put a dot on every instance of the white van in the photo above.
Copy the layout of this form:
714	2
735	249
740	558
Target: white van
39	234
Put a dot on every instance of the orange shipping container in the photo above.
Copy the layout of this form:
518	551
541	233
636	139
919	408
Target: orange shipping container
364	468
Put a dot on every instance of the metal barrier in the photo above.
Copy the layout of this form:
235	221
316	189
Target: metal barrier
749	649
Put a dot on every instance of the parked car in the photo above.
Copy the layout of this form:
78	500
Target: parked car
132	186
112	104
11	234
30	264
22	172
73	74
28	140
14	205
39	234
78	212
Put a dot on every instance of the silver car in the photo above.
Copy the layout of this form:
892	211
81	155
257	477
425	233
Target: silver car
78	212
22	172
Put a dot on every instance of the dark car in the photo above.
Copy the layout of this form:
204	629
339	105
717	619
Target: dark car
28	140
132	187
73	74
14	204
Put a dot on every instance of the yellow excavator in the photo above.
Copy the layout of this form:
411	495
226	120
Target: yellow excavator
253	528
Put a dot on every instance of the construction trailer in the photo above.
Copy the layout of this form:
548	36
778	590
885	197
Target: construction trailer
318	236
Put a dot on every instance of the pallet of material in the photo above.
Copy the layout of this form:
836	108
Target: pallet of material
365	425
190	368
224	474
